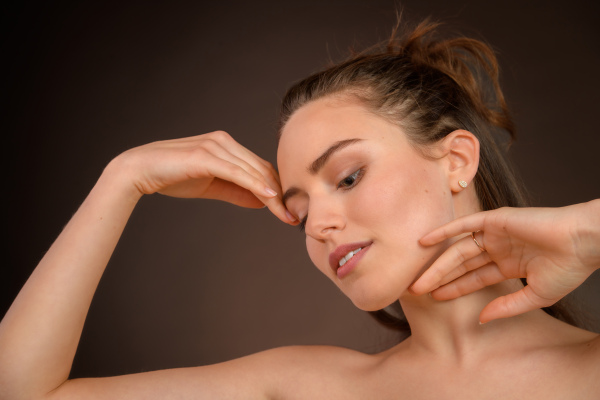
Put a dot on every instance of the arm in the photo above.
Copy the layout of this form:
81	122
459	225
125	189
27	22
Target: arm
555	249
41	330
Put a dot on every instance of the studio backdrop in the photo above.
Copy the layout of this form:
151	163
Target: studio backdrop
196	282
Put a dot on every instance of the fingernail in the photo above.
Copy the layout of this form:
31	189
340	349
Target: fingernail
481	323
270	192
290	216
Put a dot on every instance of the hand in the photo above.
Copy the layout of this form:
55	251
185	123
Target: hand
209	166
555	249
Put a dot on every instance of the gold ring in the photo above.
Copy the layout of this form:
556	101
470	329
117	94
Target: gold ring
476	242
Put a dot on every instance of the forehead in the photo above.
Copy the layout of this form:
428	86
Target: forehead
317	125
322	120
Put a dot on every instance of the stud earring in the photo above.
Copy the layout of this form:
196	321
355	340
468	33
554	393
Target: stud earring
463	184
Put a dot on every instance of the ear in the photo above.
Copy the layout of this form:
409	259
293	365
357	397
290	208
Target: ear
461	153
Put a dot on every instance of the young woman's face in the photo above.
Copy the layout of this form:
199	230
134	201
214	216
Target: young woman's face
356	183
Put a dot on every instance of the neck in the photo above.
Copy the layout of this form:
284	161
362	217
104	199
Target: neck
451	328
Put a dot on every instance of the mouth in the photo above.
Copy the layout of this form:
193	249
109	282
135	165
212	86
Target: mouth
344	256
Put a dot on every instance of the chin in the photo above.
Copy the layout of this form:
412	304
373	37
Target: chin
373	301
371	292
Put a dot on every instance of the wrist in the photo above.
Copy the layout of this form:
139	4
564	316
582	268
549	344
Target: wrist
588	233
118	177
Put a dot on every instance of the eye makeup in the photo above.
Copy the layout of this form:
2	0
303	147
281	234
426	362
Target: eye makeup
348	183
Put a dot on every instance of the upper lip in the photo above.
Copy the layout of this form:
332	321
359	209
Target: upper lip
342	250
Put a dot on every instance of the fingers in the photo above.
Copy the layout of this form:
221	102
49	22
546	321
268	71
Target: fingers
520	302
469	223
221	145
241	152
230	168
469	265
213	166
471	282
513	304
462	256
240	173
232	193
227	148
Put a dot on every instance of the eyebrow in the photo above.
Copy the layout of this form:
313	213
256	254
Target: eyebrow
319	163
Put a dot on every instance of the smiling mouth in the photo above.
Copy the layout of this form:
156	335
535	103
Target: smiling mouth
344	253
348	256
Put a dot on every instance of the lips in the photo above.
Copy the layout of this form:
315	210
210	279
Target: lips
343	253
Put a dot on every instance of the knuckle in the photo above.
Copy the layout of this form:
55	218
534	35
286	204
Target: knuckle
460	256
266	170
461	270
470	265
220	135
436	275
235	170
479	280
268	165
210	145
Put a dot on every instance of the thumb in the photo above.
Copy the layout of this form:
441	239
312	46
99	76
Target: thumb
513	304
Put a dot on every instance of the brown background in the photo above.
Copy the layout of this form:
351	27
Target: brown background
196	282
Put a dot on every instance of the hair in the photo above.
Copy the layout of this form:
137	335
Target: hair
430	87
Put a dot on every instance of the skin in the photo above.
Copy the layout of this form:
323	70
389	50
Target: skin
449	355
397	197
516	250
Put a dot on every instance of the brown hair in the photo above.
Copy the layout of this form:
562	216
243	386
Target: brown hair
429	87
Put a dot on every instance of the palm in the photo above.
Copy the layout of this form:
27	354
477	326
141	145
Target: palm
535	244
548	264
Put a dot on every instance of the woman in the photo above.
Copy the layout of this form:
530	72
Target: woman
374	154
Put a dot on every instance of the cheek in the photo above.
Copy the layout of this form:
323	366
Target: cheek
319	256
399	214
408	204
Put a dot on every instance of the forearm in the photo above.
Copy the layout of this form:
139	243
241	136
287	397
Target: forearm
41	330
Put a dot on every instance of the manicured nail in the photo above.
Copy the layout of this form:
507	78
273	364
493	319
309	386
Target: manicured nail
270	192
290	216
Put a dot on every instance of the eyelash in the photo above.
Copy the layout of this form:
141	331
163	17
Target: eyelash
356	176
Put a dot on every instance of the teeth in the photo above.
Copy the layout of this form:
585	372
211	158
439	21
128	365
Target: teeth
348	256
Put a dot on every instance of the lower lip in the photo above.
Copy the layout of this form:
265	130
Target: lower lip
351	263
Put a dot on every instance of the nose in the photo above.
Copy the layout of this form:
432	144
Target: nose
325	218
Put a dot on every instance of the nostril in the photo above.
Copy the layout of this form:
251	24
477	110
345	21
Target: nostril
329	229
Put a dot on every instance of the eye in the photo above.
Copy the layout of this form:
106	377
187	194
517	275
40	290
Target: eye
345	184
351	180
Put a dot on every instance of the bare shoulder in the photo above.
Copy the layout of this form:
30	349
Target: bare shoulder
578	339
315	371
310	354
288	372
580	364
567	357
309	360
567	341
